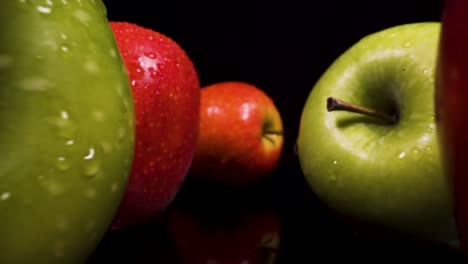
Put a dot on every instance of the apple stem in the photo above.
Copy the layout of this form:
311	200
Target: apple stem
334	104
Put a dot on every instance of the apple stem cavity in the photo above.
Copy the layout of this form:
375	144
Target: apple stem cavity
334	104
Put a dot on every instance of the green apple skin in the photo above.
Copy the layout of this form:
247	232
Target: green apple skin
66	129
383	174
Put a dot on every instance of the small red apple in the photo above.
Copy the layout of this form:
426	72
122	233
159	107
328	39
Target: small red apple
166	94
249	238
240	136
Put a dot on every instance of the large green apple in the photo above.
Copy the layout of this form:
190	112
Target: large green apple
66	129
366	167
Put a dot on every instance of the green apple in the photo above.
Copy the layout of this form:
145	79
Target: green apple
383	166
66	129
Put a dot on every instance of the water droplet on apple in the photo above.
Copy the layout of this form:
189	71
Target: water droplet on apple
402	155
53	187
62	163
429	148
44	9
5	196
335	162
63	124
91	163
91	66
113	53
114	187
90	193
82	16
34	84
150	55
64	48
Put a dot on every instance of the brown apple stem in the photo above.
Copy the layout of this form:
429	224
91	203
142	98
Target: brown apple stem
334	104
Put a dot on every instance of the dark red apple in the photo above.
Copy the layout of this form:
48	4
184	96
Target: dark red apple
248	238
452	107
166	93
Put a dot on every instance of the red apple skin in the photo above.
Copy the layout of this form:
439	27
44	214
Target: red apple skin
166	93
248	238
233	146
452	107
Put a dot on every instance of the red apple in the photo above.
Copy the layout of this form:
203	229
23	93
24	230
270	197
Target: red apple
240	137
451	106
248	238
166	94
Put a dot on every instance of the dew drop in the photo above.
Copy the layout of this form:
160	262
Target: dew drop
113	53
62	164
91	165
34	84
402	155
106	147
64	48
98	116
90	154
335	162
53	187
91	67
121	133
82	16
91	170
44	9
5	196
64	125
90	193
114	187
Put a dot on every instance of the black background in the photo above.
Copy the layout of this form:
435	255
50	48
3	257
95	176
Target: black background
283	48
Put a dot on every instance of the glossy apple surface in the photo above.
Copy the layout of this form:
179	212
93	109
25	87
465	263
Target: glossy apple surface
66	130
240	137
166	94
452	110
251	238
386	174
